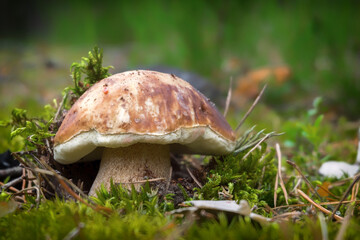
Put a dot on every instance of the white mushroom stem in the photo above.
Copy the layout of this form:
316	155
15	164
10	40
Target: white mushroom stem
136	163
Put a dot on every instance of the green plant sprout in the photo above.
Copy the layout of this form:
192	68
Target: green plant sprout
86	73
35	131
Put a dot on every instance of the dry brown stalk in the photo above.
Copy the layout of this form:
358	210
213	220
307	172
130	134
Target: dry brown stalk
258	144
288	214
23	186
19	199
250	109
356	179
308	204
74	195
10	188
228	98
278	151
11	183
59	108
269	209
30	166
169	180
57	176
305	179
355	191
276	187
65	183
45	165
24	191
144	181
342	181
324	210
193	177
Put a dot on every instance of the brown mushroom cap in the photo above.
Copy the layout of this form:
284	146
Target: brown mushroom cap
142	107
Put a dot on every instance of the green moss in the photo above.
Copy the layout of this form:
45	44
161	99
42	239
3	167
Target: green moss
85	74
56	219
146	201
232	177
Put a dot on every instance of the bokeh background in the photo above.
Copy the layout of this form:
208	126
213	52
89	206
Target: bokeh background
305	49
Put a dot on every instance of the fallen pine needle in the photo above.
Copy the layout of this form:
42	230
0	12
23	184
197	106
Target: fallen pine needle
324	210
279	173
250	109
308	204
303	176
228	98
345	195
258	144
193	177
276	186
144	181
355	191
342	181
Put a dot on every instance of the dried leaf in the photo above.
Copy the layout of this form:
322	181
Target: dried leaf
7	207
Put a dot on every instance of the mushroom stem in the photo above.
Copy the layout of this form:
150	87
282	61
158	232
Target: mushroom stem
126	165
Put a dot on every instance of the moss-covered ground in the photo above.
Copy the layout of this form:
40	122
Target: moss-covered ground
316	107
277	190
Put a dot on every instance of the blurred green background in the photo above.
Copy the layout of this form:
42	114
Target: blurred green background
317	41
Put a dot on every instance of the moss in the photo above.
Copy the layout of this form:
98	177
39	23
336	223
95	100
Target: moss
236	178
56	219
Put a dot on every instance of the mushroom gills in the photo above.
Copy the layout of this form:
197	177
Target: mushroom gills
132	165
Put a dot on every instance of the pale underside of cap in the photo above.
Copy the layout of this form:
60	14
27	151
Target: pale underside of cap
142	106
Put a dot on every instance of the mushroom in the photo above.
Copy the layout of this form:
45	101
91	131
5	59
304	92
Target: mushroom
133	120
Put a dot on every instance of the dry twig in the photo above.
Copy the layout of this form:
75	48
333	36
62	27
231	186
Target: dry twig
10	188
10	172
11	183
